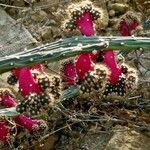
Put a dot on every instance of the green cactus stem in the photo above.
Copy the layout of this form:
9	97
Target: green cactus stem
8	112
70	47
146	24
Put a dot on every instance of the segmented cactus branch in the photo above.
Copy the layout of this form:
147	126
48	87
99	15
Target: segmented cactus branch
70	47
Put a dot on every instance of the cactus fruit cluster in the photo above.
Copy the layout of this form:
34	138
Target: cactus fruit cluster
21	122
99	72
37	89
10	129
95	72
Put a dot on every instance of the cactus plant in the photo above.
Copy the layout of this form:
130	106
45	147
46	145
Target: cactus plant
84	63
87	90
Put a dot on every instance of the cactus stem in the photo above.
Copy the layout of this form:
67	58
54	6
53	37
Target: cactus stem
69	47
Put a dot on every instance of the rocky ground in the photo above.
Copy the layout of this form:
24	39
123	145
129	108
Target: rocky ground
43	20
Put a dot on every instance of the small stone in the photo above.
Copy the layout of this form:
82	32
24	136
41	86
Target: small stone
122	8
39	16
111	13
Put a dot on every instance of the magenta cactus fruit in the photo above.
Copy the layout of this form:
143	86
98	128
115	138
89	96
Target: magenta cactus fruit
128	23
35	127
27	123
6	99
83	18
123	28
83	65
110	62
68	73
85	24
27	80
4	131
27	83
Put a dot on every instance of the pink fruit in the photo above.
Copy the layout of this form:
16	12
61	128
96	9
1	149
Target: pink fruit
83	64
125	28
110	62
27	83
69	73
133	25
94	56
85	24
26	122
4	132
7	101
